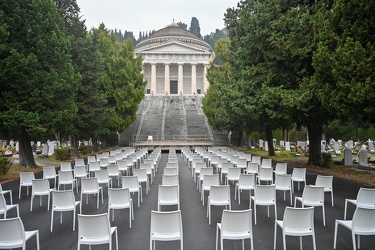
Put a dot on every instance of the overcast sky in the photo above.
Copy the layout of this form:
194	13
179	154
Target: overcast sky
146	15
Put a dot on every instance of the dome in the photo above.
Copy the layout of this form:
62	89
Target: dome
173	32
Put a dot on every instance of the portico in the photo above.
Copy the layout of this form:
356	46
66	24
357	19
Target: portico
175	62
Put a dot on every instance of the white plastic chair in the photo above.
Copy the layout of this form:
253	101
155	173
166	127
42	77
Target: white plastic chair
265	174
365	198
266	163
103	162
66	178
79	162
13	234
208	181
281	168
40	187
296	222
131	182
204	171
142	177
283	182
218	196
312	196
256	159
170	179
168	195
327	183
147	167
91	158
103	178
363	223
242	164
114	171
264	195
80	172
170	171
298	175
214	161
235	225
4	208
166	226
50	173
119	198
65	166
112	159
197	169
63	201
94	166
2	191
252	168
95	230
25	181
233	175
224	169
90	186
245	182
123	167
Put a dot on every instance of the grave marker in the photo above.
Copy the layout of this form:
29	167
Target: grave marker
363	158
348	158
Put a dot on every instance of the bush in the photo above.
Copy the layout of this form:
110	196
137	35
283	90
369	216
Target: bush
326	159
63	154
5	164
85	149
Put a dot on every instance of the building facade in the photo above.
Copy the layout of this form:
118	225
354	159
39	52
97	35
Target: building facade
175	62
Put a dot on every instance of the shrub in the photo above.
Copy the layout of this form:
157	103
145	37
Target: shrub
325	160
5	164
63	154
85	149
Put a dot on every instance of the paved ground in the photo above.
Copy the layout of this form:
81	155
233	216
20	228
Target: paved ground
197	233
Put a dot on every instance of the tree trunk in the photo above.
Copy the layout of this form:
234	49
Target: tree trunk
240	134
357	133
73	144
26	153
269	138
248	140
315	154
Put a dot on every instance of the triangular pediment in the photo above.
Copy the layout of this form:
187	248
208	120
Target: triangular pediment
172	47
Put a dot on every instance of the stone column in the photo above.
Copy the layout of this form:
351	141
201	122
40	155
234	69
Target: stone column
153	78
205	82
193	78
167	81
181	78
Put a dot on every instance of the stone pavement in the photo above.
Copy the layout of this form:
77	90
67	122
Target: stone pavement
197	233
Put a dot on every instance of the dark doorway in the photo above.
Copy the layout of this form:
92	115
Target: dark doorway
174	88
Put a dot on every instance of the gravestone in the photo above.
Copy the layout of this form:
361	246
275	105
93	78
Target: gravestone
287	145
51	147
45	149
323	145
348	158
363	158
11	143
261	143
370	145
33	146
349	144
38	144
17	146
274	142
266	145
336	147
282	144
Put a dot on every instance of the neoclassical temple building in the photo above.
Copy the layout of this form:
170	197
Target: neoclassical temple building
175	62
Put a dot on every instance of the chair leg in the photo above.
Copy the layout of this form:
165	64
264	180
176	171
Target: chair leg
335	235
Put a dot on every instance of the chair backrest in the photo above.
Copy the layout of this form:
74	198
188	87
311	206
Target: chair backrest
226	166
325	181
265	194
93	166
234	173
119	196
234	159
267	163
242	163
130	182
94	226
169	171
281	168
12	230
220	162
252	167
49	172
3	203
236	222
205	171
169	179
65	166
214	159
220	193
256	159
283	181
63	198
40	185
166	223
247	180
113	169
79	162
168	192
366	197
266	173
199	165
89	184
146	166
171	165
364	220
313	195
141	173
65	176
211	180
102	175
122	165
91	158
298	219
299	173
26	177
1	187
112	159
104	162
80	171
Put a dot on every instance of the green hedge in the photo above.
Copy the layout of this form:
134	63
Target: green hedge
5	164
63	154
85	149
